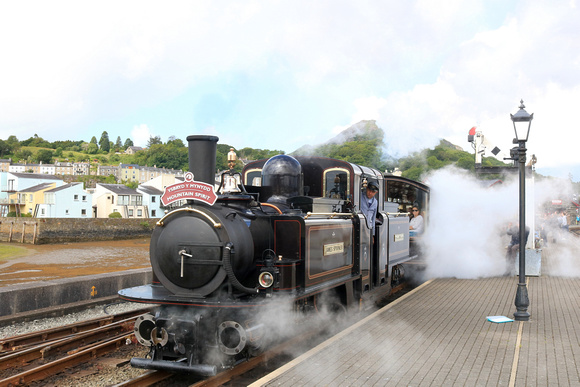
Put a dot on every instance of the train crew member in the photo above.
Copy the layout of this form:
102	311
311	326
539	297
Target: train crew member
416	223
369	204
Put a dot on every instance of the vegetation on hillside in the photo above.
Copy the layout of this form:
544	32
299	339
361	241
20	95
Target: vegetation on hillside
361	144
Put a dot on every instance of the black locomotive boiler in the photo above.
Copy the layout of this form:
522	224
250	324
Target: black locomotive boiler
287	230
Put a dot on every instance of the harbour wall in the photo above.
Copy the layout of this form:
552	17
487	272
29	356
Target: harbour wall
63	230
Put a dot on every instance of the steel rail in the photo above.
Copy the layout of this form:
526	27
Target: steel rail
69	361
19	342
146	379
70	342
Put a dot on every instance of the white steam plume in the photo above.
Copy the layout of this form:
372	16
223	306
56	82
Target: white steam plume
465	237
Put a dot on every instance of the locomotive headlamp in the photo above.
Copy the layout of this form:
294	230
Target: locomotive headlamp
266	279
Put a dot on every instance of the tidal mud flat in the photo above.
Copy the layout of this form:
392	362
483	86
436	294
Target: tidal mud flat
54	261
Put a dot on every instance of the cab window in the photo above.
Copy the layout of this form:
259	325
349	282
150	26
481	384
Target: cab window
253	177
336	183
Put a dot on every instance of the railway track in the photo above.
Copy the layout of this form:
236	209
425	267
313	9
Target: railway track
40	356
247	372
32	357
237	375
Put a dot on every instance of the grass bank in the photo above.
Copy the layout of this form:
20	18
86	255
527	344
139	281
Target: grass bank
10	251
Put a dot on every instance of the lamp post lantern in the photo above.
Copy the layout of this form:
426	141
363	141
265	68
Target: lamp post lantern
522	121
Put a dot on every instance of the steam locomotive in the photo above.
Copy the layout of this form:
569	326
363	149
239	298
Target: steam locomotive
285	231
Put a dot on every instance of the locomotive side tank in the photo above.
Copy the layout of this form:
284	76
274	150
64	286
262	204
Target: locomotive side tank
286	231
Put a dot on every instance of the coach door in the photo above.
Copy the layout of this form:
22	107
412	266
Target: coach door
365	253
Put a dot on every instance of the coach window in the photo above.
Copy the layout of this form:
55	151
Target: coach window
253	177
336	183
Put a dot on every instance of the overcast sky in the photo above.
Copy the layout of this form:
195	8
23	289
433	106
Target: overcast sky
281	74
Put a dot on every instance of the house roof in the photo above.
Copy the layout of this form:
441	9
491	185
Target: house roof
35	176
150	190
119	189
36	188
63	187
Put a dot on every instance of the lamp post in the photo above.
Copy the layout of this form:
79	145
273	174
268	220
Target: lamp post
522	121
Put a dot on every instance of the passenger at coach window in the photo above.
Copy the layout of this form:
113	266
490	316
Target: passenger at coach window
416	223
369	204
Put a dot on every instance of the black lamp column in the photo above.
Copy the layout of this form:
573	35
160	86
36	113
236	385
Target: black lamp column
522	123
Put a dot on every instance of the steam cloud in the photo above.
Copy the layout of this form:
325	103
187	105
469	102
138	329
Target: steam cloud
466	232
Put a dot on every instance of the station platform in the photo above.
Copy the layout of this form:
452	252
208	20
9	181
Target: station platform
439	335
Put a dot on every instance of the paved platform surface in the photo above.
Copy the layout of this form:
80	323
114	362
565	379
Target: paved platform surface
438	335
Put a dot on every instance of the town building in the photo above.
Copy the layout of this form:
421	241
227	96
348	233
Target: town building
5	165
109	198
129	172
151	200
67	201
12	183
131	150
25	200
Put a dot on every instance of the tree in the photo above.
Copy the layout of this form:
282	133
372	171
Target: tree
164	156
154	141
4	148
44	156
94	141
128	143
413	173
37	142
104	142
175	141
93	148
23	154
13	143
118	143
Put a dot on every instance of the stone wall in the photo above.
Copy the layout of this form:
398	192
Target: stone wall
61	230
57	294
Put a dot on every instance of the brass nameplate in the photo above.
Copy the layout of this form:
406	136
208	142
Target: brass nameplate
399	237
334	248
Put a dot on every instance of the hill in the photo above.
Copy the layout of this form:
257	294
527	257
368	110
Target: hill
361	143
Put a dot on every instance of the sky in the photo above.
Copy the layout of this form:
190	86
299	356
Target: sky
283	74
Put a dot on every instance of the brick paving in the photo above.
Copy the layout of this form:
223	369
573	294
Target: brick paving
438	335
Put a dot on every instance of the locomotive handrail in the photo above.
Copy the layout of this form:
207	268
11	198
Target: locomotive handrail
161	221
272	206
397	214
331	214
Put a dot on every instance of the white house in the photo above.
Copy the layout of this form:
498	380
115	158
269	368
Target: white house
109	198
13	182
47	169
151	200
67	201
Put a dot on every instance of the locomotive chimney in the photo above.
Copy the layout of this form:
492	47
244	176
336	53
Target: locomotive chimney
202	151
